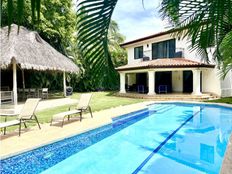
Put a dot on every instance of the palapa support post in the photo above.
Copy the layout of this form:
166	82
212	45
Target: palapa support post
15	82
64	83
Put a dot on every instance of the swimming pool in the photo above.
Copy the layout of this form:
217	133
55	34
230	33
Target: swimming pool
164	138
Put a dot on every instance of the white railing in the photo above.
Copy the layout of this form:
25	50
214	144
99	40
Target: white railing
147	53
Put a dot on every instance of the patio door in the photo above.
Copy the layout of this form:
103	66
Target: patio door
187	81
163	79
141	82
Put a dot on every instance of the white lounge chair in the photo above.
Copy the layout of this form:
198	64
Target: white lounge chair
83	105
27	114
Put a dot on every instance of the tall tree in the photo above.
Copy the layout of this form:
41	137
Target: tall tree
57	20
115	38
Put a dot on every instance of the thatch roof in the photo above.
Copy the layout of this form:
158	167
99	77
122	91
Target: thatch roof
31	52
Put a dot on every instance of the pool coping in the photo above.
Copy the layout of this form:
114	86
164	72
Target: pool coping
227	161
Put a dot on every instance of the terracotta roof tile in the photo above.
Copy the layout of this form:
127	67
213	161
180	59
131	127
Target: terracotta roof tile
164	63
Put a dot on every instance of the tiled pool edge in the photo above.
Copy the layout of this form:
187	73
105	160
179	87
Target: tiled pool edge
194	102
227	162
50	142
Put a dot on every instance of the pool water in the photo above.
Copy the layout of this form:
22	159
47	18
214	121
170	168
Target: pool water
165	138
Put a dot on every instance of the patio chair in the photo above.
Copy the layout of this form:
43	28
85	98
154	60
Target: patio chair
44	93
163	88
82	106
27	114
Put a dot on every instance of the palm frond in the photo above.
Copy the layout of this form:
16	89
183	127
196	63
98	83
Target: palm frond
35	9
94	17
225	50
204	22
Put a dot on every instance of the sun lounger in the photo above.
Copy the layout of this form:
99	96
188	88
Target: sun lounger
83	105
27	114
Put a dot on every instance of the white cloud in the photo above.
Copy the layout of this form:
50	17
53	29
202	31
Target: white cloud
136	21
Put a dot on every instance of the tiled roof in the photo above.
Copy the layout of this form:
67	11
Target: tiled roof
164	63
149	37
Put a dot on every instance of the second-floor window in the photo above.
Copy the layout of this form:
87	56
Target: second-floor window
138	52
165	49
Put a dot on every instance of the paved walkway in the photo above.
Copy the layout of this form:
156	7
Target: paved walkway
44	104
31	138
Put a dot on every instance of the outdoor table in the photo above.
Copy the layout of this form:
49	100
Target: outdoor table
8	113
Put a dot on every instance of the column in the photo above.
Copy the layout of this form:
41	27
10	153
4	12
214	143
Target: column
196	82
151	82
122	82
64	83
15	95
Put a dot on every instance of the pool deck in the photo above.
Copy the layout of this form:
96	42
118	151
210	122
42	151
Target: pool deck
12	144
43	104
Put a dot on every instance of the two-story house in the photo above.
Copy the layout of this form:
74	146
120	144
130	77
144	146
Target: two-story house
163	63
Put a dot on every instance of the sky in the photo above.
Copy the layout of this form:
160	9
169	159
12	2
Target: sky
135	20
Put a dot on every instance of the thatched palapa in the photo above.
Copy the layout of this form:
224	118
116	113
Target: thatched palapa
31	52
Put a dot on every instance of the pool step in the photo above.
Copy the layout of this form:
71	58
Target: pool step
170	97
132	117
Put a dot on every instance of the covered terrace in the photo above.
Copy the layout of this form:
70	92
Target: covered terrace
168	75
26	50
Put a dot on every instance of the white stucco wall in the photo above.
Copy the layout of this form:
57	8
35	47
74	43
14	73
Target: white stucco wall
131	79
177	81
211	81
226	85
147	48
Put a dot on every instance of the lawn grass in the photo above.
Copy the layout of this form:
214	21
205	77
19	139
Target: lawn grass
99	101
227	100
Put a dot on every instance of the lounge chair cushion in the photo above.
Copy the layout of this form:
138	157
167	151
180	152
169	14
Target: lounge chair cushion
60	116
9	123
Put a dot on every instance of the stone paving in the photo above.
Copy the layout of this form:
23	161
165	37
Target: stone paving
43	104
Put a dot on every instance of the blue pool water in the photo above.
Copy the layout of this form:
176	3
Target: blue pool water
165	138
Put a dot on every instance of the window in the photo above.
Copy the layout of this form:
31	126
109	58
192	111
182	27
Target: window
165	49
138	52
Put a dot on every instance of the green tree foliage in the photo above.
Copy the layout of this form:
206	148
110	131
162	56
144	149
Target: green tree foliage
86	80
57	21
115	38
91	54
206	23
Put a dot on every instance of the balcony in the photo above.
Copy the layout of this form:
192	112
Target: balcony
179	53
